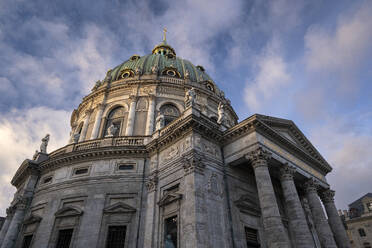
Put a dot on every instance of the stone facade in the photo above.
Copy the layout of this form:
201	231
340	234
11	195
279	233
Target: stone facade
157	157
358	222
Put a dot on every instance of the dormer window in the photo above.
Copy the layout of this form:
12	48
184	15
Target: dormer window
127	73
210	87
201	68
172	72
135	57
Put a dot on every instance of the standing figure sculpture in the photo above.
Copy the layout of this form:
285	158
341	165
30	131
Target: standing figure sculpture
111	130
190	97
221	113
44	144
160	121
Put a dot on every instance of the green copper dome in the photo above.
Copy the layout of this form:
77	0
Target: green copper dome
163	62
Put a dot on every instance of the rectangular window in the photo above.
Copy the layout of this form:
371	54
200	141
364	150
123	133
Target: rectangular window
47	179
116	237
27	241
170	232
251	236
64	238
125	166
81	171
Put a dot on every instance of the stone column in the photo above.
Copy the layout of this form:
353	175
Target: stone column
320	221
150	115
131	116
296	215
4	229
194	229
272	221
85	125
151	185
97	121
334	219
15	225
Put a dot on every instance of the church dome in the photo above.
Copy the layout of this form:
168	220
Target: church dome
163	61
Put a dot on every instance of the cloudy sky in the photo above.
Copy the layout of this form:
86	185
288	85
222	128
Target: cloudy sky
308	61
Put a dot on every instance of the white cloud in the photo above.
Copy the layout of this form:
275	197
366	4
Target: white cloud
343	48
21	132
271	79
347	148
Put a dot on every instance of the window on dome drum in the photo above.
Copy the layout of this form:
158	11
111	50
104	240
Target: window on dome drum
362	233
116	236
115	117
81	171
251	236
210	87
170	232
170	113
27	241
47	179
64	238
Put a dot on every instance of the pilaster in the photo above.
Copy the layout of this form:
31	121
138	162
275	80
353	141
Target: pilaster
85	125
131	115
151	185
97	122
150	115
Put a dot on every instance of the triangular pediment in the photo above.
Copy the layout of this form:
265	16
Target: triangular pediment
288	130
119	207
169	198
69	211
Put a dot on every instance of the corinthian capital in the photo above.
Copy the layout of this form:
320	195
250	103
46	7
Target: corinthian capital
287	172
327	196
311	186
258	157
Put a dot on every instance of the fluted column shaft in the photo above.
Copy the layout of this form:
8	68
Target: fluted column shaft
97	121
14	227
296	216
150	115
272	221
322	227
85	125
6	224
131	116
334	219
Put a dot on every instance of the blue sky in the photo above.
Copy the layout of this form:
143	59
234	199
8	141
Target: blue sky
308	61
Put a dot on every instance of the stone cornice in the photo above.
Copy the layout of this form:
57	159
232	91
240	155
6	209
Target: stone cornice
28	167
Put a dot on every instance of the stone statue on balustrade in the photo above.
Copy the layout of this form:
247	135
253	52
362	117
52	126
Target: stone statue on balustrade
44	144
190	97
221	113
160	121
111	130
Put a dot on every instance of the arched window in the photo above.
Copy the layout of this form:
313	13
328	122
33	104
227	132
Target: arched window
362	233
115	118
170	113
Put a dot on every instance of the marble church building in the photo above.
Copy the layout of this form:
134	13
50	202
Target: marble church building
157	158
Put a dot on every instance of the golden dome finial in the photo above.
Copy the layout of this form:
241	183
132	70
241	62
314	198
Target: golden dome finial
165	34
